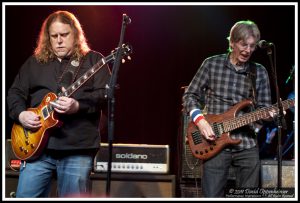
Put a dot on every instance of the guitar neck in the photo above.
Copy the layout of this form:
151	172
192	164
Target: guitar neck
251	117
86	76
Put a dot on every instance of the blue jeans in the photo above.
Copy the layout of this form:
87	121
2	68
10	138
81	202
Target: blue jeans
215	171
72	171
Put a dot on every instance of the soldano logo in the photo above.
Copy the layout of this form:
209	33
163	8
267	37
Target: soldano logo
131	156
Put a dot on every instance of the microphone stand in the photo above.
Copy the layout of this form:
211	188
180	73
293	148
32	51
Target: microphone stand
111	101
280	116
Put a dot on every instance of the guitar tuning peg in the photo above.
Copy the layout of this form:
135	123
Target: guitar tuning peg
129	58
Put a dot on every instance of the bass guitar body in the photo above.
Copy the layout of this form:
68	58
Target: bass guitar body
205	149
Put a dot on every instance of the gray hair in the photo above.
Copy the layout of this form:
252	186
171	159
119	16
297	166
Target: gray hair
241	30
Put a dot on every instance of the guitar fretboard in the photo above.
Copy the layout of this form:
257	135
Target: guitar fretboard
86	76
259	114
124	50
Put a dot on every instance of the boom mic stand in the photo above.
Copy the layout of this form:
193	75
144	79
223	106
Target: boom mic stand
280	116
111	101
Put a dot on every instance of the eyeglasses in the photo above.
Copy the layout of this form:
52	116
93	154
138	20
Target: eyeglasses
245	46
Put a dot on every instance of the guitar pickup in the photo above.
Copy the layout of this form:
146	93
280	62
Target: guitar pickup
45	112
196	137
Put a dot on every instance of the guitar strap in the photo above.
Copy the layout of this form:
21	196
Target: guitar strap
70	72
252	77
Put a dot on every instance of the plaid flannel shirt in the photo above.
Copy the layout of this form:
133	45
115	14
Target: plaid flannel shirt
222	86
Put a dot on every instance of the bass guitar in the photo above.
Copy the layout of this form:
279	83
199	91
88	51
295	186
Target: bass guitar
28	144
223	124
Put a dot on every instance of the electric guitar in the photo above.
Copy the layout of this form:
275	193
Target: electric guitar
27	144
222	125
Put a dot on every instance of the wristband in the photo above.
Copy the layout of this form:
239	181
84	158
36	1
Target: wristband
199	118
194	113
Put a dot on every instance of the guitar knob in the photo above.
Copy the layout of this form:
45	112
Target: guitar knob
27	142
201	152
32	145
206	151
26	151
211	148
21	148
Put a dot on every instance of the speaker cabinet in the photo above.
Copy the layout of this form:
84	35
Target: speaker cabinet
191	189
133	185
121	185
269	174
9	154
190	167
11	184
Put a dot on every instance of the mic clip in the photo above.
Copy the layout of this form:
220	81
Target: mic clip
126	19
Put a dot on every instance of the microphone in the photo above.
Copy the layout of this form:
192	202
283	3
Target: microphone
263	44
127	19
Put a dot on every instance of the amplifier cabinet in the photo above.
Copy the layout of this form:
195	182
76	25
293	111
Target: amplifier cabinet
122	185
190	166
190	189
133	158
9	154
269	174
134	185
11	183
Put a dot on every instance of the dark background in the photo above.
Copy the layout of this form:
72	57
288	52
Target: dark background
169	44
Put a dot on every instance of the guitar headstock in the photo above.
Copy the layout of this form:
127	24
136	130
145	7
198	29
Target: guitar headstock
125	50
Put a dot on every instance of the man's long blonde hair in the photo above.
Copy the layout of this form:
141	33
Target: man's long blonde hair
44	52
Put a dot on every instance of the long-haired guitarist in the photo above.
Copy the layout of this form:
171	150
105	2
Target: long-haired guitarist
54	131
226	80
